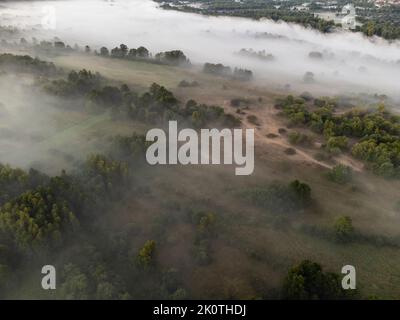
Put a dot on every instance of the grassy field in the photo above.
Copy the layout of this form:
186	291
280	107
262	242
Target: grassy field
250	254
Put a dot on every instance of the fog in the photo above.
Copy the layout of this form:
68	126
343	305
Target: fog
351	63
42	134
254	240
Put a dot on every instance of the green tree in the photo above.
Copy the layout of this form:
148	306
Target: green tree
343	229
340	174
75	285
146	254
302	191
308	281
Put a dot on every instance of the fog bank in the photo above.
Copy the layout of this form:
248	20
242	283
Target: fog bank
350	62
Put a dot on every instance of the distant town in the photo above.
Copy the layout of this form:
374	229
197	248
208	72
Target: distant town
373	18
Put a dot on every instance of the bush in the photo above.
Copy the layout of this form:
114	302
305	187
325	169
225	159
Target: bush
307	281
290	151
298	138
302	191
253	119
340	174
278	198
343	229
146	254
337	144
188	84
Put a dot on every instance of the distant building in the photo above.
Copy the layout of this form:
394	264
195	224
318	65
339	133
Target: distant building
383	3
302	7
346	17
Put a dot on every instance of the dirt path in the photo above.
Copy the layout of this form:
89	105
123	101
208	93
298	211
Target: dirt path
270	125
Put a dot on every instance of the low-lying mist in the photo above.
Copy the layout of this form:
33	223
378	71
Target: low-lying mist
34	130
348	62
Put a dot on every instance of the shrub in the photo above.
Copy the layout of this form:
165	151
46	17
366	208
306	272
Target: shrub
280	198
340	174
307	281
343	229
302	191
335	144
146	253
290	151
253	119
298	138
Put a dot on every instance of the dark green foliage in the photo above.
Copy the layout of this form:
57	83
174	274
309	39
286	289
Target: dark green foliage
380	21
205	224
337	144
133	147
17	63
340	174
242	74
145	257
203	115
142	52
119	52
90	277
75	285
377	133
106	96
380	27
105	176
36	216
256	10
14	181
217	69
104	52
307	281
278	198
302	192
155	106
174	57
343	229
297	138
77	84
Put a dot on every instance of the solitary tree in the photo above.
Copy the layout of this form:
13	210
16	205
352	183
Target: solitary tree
343	228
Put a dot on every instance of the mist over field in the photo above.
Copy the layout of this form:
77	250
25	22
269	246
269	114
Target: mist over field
350	62
77	191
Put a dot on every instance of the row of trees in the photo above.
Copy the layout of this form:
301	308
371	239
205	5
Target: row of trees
174	57
154	106
224	71
17	63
